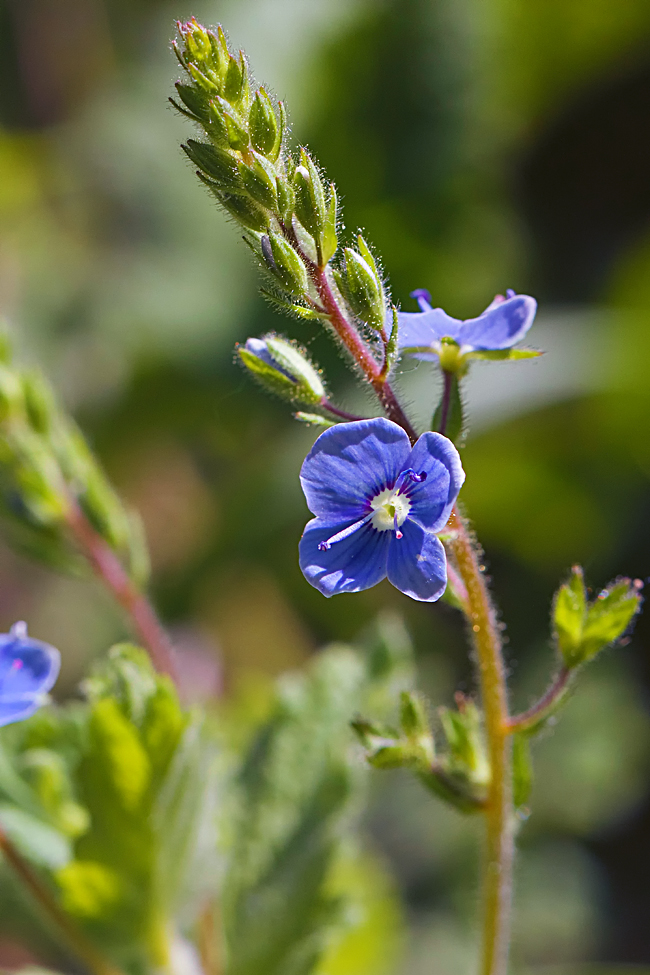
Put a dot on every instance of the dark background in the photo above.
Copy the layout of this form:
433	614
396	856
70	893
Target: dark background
481	145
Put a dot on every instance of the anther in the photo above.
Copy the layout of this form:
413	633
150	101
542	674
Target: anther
345	533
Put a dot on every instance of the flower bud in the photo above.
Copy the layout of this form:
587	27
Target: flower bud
310	199
258	177
282	368
363	290
263	123
217	164
284	263
467	756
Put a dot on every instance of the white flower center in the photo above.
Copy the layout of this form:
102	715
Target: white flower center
390	510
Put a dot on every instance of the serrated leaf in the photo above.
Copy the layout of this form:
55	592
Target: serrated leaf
609	616
293	791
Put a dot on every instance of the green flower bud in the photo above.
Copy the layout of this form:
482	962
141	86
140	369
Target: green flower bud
309	197
194	101
217	164
363	290
258	177
285	264
236	86
244	210
263	123
282	368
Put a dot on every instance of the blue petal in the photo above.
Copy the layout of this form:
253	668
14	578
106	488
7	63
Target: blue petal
417	564
433	498
358	562
28	669
421	329
502	324
11	711
349	464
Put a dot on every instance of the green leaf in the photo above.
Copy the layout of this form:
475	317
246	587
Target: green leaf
569	612
609	616
583	628
522	770
292	795
42	844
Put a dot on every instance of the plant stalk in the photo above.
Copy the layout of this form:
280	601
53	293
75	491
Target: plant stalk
448	380
359	351
75	939
499	851
546	704
111	571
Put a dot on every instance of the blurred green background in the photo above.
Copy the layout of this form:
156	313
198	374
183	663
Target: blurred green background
481	144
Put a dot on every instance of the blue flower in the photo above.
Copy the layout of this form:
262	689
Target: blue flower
502	325
378	504
28	669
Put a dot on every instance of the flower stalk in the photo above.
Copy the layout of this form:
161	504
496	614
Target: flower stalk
114	576
74	938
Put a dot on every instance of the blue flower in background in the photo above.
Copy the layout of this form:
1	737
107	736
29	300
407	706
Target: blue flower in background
28	669
502	325
378	504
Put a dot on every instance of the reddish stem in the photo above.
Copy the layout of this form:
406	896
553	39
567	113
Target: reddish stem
539	710
359	351
109	568
335	411
75	938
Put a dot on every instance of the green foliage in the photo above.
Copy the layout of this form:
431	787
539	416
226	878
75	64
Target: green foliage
127	783
292	798
46	466
583	628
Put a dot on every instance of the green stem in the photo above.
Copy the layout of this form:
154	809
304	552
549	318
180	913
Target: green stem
75	939
543	708
499	852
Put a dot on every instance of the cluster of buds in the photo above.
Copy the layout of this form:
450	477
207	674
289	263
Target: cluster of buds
460	774
48	472
288	211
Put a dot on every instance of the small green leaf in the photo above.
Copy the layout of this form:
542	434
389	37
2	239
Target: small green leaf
522	770
569	612
263	123
609	616
330	239
37	840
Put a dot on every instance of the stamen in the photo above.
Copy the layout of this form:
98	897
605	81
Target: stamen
340	536
510	293
423	298
398	533
411	475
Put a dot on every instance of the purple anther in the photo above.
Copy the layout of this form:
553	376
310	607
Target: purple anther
423	298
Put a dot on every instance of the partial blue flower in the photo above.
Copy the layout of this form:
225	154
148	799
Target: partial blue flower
378	505
502	325
28	669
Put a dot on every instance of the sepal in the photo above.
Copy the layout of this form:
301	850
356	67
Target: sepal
282	367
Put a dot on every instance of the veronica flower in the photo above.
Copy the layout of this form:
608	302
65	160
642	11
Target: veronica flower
378	505
427	334
28	669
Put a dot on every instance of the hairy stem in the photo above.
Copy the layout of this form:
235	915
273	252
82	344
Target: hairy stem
74	938
335	411
448	380
545	706
499	852
111	571
360	352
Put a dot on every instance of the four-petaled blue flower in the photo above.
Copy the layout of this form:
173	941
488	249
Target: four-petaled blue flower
378	504
28	669
502	325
